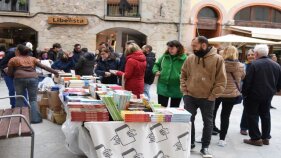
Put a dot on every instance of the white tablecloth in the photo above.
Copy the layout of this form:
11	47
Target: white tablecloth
138	140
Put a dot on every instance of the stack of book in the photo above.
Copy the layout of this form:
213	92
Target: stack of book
112	107
178	114
87	112
83	99
122	98
77	77
160	117
115	87
76	92
135	116
78	83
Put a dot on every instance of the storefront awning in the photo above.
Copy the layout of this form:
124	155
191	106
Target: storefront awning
236	39
265	33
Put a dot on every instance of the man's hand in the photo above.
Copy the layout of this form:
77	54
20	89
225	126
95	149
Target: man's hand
6	70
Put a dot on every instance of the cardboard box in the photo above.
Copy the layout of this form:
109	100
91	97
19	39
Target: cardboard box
43	111
50	115
54	101
59	117
43	101
56	117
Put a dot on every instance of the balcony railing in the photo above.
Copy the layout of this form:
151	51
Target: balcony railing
123	8
14	5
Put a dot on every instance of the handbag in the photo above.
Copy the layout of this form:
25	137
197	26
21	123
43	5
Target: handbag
239	98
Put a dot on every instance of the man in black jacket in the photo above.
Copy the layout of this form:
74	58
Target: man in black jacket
149	76
262	81
55	53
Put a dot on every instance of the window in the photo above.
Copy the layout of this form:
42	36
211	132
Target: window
244	14
276	16
207	12
259	14
14	5
123	8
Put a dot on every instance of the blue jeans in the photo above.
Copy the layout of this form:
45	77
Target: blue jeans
31	85
10	85
146	90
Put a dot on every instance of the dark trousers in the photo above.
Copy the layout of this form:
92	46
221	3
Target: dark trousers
256	108
10	85
244	121
191	104
227	106
175	102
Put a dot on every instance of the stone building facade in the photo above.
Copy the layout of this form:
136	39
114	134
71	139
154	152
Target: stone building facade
158	21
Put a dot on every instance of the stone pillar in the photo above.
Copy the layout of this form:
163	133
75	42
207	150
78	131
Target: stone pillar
187	32
119	41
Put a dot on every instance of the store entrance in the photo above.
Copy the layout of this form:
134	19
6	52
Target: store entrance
117	38
12	34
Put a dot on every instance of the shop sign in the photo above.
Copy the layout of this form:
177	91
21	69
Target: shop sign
62	20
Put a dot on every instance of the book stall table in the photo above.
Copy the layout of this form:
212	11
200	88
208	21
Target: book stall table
112	128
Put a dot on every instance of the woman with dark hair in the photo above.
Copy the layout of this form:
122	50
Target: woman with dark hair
168	68
85	65
107	62
22	68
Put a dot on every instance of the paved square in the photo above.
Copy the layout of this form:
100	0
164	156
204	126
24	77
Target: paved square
49	139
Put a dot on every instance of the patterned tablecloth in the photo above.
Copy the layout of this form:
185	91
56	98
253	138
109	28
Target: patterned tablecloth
139	140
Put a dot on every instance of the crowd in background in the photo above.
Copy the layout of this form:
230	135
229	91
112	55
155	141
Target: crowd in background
205	79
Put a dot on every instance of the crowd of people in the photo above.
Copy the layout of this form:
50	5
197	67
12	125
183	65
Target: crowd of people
205	79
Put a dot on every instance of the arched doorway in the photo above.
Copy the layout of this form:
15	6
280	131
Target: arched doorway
208	22
117	38
12	34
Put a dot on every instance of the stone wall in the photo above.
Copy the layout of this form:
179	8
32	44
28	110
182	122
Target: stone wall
158	22
151	11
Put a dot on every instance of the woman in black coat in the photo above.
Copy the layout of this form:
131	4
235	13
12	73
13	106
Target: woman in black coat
85	65
107	62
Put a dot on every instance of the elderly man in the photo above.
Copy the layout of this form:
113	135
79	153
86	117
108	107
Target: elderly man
262	81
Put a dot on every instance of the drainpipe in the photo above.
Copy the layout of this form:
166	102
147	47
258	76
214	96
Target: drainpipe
181	16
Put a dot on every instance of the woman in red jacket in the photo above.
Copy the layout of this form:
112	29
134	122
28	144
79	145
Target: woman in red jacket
134	69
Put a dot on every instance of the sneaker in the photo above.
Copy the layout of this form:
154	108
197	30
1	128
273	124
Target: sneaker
222	143
205	153
253	142
265	141
244	132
